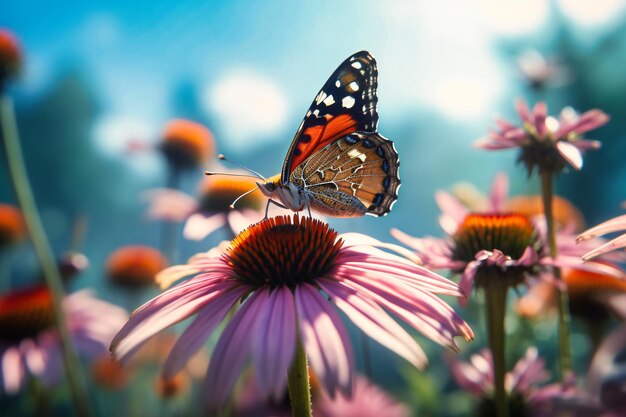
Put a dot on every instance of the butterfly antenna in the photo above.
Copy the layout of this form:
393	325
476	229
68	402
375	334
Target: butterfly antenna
232	205
223	158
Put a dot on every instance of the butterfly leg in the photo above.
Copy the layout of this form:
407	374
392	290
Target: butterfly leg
308	207
270	201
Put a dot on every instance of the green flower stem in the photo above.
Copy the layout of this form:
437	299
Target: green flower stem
23	191
298	383
565	354
495	296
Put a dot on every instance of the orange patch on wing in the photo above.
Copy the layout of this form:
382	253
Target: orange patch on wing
336	127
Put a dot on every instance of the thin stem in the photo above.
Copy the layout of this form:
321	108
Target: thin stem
23	191
565	354
495	297
298	383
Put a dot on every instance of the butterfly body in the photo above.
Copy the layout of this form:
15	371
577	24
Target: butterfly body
338	164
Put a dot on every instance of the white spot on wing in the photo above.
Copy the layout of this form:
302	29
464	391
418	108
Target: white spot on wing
348	102
329	101
320	97
354	153
337	83
354	86
357	65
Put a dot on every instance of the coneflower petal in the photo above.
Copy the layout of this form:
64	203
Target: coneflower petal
12	370
177	305
325	340
199	330
613	225
374	322
275	344
233	350
423	311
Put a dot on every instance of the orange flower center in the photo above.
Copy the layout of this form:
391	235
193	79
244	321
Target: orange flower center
12	226
10	55
219	192
585	291
283	251
25	313
509	233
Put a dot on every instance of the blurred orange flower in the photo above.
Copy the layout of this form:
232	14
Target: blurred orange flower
187	144
592	296
12	225
10	55
135	266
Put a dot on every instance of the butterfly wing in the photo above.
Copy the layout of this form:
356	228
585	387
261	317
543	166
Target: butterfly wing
344	105
352	176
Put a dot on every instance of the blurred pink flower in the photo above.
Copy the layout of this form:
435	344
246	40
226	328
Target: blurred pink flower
546	142
522	383
211	210
503	242
617	224
368	400
540	71
29	343
277	269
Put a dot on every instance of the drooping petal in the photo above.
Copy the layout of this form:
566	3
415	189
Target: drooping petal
233	350
571	154
172	307
425	312
367	244
199	225
374	321
467	280
275	342
615	224
617	243
12	370
238	220
499	193
199	330
450	207
325	340
577	263
169	204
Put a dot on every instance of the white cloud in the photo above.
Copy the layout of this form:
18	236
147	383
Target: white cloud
593	12
248	106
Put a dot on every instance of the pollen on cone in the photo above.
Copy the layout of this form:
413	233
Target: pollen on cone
135	266
12	226
187	144
10	55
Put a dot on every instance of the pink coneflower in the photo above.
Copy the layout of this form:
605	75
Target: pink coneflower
276	269
29	343
212	209
546	142
526	396
509	241
617	224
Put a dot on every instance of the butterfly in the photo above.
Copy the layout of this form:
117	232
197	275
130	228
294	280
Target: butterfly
338	164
